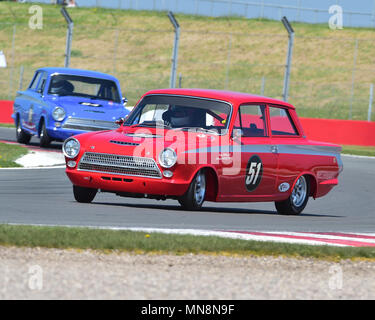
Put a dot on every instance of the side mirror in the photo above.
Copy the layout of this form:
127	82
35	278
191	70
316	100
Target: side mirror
124	101
120	121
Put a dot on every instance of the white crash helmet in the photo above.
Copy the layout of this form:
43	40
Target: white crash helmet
180	116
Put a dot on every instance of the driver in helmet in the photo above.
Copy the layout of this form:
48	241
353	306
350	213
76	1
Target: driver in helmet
178	116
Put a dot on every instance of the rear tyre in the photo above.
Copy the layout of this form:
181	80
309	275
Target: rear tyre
194	197
21	135
45	140
84	195
297	201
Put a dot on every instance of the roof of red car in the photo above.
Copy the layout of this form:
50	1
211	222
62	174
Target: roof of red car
229	96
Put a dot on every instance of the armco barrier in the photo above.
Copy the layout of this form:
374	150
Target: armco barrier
348	132
6	110
360	133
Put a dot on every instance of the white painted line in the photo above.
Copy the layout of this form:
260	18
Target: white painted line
225	234
355	156
34	168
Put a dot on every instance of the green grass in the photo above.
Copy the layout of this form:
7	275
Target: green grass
136	46
359	150
7	125
9	153
141	242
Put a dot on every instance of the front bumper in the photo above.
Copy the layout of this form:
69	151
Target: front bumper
61	133
127	184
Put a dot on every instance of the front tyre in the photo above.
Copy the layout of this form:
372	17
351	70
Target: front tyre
45	140
84	195
297	201
21	135
194	197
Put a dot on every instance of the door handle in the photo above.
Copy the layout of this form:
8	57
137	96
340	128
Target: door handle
274	149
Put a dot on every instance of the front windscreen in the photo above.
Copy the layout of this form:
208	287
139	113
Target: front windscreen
94	88
179	112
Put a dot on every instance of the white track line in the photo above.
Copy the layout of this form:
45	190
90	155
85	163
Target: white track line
237	235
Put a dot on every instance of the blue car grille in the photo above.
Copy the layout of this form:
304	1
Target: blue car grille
117	164
89	124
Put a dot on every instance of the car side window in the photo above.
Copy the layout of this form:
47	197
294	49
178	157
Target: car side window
251	120
35	82
42	82
281	123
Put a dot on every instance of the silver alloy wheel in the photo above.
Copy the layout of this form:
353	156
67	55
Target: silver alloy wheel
299	193
200	188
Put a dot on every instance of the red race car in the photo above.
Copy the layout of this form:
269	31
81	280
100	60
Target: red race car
197	145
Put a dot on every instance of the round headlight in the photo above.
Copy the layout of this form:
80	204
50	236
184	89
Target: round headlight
71	148
58	114
167	158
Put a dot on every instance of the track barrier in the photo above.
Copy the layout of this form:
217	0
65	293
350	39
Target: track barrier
343	132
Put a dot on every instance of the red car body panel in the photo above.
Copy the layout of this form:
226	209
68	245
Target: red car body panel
284	158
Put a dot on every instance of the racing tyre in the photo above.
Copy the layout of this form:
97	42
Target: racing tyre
84	195
22	136
297	201
194	197
45	140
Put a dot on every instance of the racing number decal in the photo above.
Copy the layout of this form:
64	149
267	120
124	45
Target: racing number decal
254	173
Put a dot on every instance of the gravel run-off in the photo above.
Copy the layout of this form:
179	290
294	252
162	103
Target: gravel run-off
39	273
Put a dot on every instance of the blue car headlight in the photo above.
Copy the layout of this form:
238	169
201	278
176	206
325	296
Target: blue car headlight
71	148
58	114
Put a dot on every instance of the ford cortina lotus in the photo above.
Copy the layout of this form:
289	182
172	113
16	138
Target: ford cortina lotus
62	102
196	145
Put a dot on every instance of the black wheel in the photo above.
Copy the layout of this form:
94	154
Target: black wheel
297	201
84	195
22	136
45	140
194	197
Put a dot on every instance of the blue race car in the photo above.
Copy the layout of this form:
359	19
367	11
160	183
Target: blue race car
61	102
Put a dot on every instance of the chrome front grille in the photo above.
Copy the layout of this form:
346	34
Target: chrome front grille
89	124
116	164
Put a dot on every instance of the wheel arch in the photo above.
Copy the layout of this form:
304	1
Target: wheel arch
212	182
313	184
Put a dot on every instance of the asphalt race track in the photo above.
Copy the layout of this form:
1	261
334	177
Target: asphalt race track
44	196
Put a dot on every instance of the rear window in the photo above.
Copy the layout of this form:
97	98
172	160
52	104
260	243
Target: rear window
281	122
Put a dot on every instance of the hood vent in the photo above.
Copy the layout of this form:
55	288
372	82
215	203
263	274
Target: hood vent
123	143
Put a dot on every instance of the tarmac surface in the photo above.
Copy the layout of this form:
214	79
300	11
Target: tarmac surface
44	196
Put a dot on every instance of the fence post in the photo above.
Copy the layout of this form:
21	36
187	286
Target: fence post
115	51
370	102
228	62
263	85
21	78
180	80
288	65
69	36
175	48
12	63
353	78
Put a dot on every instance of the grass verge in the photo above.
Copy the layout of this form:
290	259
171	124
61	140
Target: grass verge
7	125
359	150
9	153
141	242
229	53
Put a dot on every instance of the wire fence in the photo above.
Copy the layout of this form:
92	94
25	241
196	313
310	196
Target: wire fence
308	11
330	76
